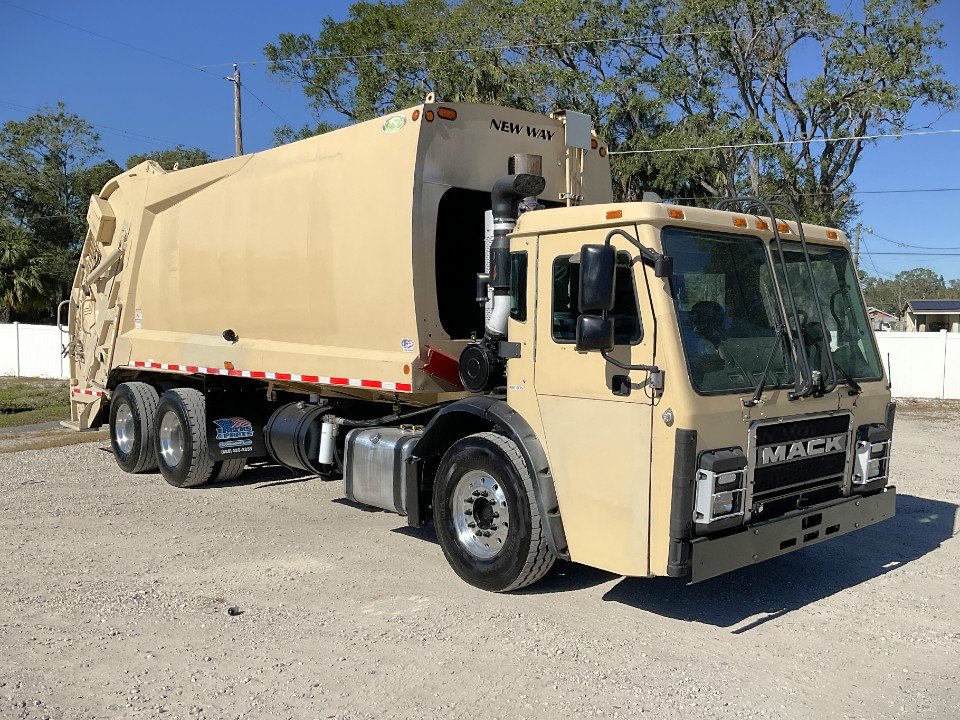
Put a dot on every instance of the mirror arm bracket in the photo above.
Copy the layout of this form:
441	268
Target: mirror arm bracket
662	264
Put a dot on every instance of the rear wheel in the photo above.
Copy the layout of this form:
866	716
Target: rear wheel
486	515
133	413
227	470
181	438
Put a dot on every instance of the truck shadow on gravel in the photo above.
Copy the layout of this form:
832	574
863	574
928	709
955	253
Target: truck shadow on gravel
778	586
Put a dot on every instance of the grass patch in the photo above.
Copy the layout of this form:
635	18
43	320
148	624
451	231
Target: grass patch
25	401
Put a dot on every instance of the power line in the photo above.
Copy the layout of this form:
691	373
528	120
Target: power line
920	254
908	245
891	191
108	128
644	39
258	99
108	38
796	141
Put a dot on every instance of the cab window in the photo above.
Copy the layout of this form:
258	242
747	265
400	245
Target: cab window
566	290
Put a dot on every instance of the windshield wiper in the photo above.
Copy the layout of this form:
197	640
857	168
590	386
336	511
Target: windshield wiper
855	388
758	393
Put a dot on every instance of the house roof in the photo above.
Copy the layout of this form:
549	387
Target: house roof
934	306
877	311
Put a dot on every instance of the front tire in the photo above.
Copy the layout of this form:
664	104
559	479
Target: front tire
181	438
486	515
133	414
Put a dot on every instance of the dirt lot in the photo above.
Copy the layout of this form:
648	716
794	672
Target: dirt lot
114	593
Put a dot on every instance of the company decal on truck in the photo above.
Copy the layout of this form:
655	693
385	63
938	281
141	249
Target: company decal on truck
392	124
520	129
234	435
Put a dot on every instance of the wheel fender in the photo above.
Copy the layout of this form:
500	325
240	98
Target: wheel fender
477	414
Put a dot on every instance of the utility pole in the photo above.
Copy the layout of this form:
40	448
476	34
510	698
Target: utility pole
237	121
857	232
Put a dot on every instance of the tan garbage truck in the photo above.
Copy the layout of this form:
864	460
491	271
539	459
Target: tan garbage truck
445	309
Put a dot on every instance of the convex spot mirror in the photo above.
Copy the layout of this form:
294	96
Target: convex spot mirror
598	275
594	333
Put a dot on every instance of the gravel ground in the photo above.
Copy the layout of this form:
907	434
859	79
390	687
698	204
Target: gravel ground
114	592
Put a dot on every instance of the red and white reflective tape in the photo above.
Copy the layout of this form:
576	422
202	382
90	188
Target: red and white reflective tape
80	391
290	377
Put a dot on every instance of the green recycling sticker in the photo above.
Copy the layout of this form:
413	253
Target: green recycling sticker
391	125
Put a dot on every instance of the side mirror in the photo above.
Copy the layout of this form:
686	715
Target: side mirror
598	274
594	333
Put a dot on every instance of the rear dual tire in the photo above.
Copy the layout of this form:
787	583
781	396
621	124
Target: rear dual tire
169	432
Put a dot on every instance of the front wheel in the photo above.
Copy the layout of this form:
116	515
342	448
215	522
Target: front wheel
486	515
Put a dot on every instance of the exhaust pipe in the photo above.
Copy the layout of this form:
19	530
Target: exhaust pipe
506	196
481	366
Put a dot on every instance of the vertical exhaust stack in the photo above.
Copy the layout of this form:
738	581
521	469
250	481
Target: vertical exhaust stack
481	365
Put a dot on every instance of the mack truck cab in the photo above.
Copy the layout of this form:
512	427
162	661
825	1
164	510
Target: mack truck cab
484	341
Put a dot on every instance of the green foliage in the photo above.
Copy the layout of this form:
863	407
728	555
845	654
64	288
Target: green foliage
286	134
917	284
180	156
661	74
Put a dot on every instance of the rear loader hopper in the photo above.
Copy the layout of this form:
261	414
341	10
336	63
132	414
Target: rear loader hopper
444	308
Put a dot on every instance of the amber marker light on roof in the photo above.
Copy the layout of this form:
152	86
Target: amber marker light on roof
428	116
762	225
447	113
416	115
783	227
832	234
594	144
614	214
675	214
739	222
603	152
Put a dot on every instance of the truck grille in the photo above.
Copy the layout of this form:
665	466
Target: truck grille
790	485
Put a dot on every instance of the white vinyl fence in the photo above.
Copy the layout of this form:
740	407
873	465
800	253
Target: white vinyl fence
32	351
922	364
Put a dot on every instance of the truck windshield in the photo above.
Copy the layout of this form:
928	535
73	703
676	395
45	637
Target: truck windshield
847	326
725	299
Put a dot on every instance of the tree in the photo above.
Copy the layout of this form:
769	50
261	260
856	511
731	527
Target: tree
180	156
45	181
916	284
656	75
286	134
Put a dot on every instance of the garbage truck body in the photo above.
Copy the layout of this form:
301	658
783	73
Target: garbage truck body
445	309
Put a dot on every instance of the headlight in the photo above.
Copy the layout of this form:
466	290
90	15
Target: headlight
873	455
721	488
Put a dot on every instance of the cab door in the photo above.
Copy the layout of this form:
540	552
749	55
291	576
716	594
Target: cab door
596	417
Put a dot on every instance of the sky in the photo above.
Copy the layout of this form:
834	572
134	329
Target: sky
141	102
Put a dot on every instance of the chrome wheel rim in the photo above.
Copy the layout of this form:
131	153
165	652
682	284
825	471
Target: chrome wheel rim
124	428
480	514
171	439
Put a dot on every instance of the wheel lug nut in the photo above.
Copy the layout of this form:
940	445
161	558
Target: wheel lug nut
471	524
484	493
478	533
476	493
493	527
468	512
496	514
486	533
469	500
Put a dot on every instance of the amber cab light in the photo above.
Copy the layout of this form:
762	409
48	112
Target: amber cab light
763	225
832	234
614	214
783	227
447	113
675	214
739	222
